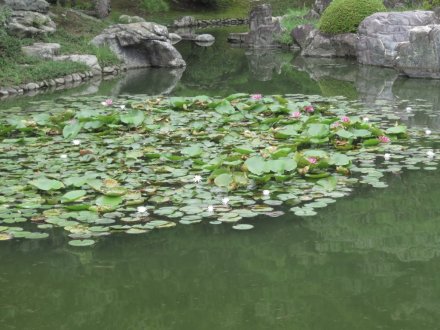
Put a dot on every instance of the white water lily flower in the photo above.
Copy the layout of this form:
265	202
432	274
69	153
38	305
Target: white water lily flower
266	192
63	156
430	154
197	178
428	132
122	107
76	142
366	119
408	109
387	156
225	201
141	209
210	208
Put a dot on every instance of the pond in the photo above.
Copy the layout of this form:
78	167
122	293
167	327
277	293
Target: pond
367	261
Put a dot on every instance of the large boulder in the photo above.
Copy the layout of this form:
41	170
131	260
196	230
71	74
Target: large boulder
318	44
301	33
40	6
381	33
420	56
142	44
28	24
263	28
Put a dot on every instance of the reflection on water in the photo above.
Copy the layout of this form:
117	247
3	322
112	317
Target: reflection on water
369	261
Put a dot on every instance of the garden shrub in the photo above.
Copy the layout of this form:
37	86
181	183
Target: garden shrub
9	46
343	16
431	4
154	6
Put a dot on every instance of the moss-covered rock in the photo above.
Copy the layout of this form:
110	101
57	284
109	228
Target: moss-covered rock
343	16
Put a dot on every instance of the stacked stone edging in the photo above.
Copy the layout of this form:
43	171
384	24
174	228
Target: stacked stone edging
70	79
200	23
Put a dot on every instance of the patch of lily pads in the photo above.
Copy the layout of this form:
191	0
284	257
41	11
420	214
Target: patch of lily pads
138	164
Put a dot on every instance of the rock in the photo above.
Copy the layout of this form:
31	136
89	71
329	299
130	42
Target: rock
42	50
76	77
31	86
140	45
263	30
174	38
40	6
419	57
202	38
59	81
108	70
319	44
237	38
3	92
186	21
301	33
380	34
125	19
28	24
89	60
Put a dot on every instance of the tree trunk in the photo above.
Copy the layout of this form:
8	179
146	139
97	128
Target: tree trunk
102	8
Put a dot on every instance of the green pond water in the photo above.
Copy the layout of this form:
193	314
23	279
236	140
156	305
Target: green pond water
368	261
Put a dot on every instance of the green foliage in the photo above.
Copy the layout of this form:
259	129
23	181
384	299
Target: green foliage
343	16
154	6
431	4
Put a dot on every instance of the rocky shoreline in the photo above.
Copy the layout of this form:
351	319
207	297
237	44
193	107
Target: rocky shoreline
64	82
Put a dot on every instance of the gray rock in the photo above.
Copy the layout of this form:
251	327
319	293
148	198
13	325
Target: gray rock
4	92
42	50
32	86
263	29
140	45
420	56
237	38
59	81
320	5
40	6
174	38
301	33
28	24
89	60
108	70
319	44
380	34
186	21
126	19
202	38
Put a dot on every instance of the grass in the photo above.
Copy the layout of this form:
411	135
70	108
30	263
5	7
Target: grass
12	72
292	19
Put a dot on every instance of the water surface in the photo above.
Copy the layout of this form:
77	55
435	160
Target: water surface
369	261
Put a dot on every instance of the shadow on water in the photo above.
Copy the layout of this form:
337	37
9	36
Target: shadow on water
369	261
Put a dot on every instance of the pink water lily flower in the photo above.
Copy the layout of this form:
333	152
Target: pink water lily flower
335	124
256	97
107	102
312	160
309	109
384	139
295	114
345	119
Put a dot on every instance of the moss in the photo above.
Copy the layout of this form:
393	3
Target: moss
343	16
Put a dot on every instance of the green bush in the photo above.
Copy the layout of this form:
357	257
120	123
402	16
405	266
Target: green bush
431	4
154	6
343	16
